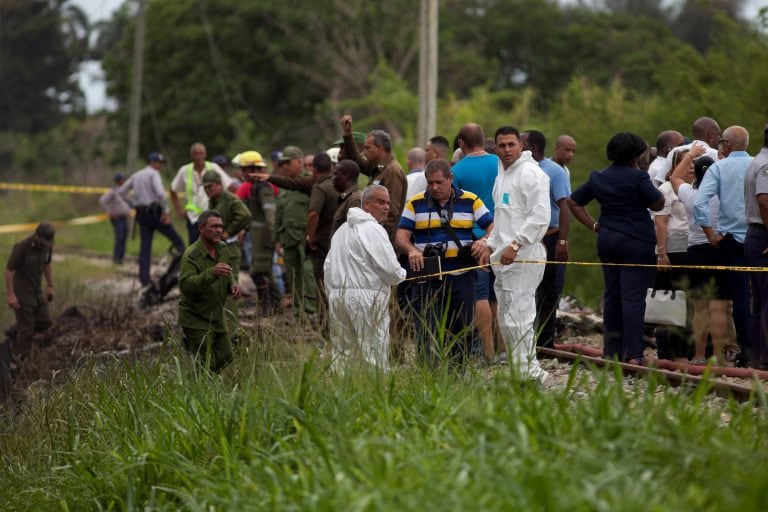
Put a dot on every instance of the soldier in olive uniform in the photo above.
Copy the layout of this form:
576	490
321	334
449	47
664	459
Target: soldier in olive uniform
234	213
206	282
291	225
236	218
30	260
260	199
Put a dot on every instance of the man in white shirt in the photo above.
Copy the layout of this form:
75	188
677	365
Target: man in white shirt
665	142
360	269
415	160
189	181
706	132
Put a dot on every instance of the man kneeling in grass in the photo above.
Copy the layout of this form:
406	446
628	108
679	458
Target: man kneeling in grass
207	280
360	269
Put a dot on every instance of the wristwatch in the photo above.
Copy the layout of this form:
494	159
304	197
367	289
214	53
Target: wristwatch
562	242
515	246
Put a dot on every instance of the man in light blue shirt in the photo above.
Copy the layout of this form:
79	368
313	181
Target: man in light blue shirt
477	172
725	179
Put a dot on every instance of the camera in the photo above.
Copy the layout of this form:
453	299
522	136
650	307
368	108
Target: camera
434	250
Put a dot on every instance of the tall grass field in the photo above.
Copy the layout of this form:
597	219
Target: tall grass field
279	431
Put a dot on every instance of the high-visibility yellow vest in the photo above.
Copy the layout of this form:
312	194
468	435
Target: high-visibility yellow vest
190	206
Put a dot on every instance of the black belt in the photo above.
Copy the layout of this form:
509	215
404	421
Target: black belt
758	226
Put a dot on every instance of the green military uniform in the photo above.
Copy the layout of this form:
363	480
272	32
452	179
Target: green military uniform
324	200
291	223
261	204
236	217
350	198
28	261
202	304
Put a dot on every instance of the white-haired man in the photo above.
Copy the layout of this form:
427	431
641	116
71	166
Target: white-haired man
360	269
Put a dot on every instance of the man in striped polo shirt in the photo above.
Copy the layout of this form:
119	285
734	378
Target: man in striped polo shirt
433	222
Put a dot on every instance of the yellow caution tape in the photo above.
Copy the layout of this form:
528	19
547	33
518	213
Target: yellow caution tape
597	264
29	227
70	189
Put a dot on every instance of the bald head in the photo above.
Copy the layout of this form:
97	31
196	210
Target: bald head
666	141
735	138
471	136
415	158
706	129
565	150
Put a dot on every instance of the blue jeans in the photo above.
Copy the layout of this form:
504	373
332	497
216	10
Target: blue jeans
120	226
149	222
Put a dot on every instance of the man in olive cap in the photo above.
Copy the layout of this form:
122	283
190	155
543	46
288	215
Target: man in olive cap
30	259
290	232
236	219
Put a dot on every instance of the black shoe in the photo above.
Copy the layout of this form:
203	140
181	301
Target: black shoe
10	332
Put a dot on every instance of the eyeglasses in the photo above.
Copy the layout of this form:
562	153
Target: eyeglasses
723	141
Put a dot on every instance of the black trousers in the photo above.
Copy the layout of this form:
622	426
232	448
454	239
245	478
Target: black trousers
548	296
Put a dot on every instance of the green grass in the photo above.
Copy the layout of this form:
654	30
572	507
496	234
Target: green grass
279	431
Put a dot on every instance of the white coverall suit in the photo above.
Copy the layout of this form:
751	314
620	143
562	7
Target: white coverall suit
360	269
522	214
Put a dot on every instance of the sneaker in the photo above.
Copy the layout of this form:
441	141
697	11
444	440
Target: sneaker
500	360
732	354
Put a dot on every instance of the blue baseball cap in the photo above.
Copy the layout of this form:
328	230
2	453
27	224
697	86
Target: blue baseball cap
156	157
276	155
220	160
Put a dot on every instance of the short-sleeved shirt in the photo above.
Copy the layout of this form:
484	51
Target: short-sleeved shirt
624	194
324	200
203	295
677	227
687	195
27	262
559	188
199	197
477	174
756	182
424	218
144	188
234	214
725	178
350	198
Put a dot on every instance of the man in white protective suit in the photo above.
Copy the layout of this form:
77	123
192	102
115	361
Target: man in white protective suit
360	269
521	218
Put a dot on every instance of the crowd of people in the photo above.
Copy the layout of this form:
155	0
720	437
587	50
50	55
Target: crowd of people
464	251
